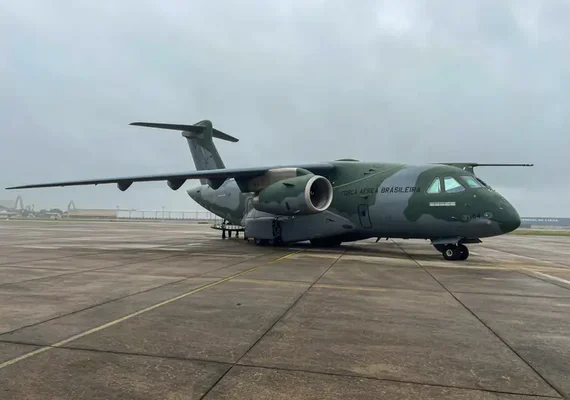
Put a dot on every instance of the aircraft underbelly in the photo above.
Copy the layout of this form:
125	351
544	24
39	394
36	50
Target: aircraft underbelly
299	228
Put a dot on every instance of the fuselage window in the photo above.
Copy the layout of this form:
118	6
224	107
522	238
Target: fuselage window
435	186
471	182
451	185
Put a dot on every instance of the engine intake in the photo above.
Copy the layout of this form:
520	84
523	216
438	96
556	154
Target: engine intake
301	195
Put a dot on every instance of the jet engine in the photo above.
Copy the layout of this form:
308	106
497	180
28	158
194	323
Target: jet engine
301	195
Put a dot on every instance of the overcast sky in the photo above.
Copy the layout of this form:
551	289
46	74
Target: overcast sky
295	81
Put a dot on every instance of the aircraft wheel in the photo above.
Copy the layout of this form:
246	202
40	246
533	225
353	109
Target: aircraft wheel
451	252
276	242
464	252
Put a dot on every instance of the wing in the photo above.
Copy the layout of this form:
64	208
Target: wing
470	166
216	176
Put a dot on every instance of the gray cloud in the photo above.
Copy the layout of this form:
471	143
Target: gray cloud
296	81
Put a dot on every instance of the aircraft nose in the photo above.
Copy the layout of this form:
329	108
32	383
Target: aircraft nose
510	220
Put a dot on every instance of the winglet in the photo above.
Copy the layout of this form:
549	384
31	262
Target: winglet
187	128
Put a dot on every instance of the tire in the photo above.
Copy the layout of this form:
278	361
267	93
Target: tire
463	252
451	252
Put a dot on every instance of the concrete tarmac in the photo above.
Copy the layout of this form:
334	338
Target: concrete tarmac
169	310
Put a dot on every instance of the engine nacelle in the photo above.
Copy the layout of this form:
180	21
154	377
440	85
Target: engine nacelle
301	195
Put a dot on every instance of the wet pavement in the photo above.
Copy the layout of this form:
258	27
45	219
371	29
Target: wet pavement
169	310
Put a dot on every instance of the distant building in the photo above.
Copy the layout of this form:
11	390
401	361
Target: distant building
542	222
7	213
91	213
165	214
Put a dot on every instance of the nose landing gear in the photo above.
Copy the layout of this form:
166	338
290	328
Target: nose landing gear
453	252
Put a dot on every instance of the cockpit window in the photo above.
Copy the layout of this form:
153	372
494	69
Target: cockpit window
482	182
451	185
435	186
471	182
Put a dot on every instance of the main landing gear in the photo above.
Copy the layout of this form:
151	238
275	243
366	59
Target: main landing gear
453	252
276	233
267	242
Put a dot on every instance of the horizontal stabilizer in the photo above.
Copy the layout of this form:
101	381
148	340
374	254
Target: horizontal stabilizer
186	128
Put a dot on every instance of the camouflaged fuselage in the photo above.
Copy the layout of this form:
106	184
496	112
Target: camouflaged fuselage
382	200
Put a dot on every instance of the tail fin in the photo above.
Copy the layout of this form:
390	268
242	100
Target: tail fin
199	137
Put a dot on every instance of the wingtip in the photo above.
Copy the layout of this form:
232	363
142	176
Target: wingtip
145	124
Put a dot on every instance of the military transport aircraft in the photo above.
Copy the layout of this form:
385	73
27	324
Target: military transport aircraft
339	201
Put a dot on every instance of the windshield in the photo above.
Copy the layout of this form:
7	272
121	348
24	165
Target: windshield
482	182
472	182
452	185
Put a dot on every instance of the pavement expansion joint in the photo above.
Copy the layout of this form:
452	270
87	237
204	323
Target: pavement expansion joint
551	384
164	310
562	283
372	378
126	296
129	316
276	321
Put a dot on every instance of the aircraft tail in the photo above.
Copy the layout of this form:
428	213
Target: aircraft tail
200	141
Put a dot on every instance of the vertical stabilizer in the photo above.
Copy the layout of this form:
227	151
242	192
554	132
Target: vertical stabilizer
200	141
202	147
